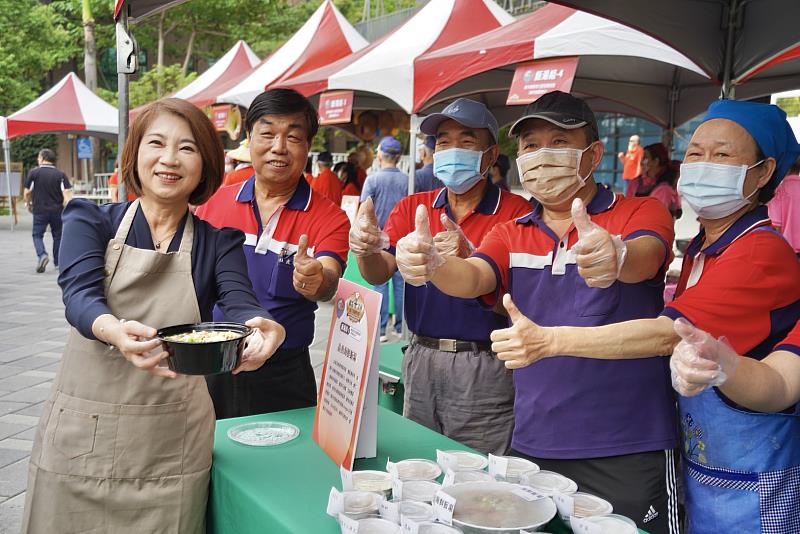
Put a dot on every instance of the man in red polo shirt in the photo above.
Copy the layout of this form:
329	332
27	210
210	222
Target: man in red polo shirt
595	265
296	248
326	183
453	382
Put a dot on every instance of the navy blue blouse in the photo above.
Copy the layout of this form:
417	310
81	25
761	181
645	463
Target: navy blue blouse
219	269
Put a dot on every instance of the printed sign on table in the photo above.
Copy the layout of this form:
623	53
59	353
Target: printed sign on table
345	422
335	107
535	78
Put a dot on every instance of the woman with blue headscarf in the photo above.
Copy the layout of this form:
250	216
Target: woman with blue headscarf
741	281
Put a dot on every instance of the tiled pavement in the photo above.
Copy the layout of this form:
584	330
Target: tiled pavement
33	332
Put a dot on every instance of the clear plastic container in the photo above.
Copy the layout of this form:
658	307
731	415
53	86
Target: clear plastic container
472	476
376	481
587	505
418	512
376	525
548	482
613	524
420	490
438	528
359	504
517	466
469	460
263	433
418	469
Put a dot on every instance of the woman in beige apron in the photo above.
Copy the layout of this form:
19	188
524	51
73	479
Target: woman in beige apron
119	449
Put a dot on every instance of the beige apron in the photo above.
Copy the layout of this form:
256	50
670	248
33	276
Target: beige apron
117	449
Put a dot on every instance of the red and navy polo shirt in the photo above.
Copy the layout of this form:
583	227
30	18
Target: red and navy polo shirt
568	407
428	311
792	341
270	248
744	286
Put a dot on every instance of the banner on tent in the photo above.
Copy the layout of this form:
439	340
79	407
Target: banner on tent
335	107
535	78
226	118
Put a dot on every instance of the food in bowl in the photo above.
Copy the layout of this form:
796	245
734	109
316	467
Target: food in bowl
204	336
494	507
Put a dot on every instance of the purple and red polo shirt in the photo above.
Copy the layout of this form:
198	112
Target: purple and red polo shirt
568	407
269	248
745	286
430	312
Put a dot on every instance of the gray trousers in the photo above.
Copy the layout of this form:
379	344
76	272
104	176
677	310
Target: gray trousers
467	396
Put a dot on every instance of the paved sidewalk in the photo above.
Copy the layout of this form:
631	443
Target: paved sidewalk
33	333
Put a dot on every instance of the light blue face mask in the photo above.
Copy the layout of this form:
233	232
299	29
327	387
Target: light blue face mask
714	190
459	169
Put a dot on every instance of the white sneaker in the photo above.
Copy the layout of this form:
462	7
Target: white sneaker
384	338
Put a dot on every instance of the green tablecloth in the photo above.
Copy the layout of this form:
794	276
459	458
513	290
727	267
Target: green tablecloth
352	274
285	489
391	359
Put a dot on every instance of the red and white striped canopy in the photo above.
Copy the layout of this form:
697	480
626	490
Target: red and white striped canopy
228	71
388	67
326	37
68	107
620	69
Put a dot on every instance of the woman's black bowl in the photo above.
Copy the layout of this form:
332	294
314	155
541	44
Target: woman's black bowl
205	358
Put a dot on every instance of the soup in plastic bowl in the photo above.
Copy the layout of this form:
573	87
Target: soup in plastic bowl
494	508
204	348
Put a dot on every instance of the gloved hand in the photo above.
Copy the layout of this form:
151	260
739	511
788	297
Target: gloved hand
452	241
699	361
599	255
366	238
416	255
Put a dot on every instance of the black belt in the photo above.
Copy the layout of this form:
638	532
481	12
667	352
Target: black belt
451	345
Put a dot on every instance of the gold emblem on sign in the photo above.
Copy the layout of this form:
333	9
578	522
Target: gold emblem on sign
355	308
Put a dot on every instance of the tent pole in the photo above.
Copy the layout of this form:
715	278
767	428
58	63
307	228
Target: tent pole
126	64
7	158
733	17
412	151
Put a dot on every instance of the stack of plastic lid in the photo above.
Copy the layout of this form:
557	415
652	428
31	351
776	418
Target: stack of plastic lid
358	504
438	528
376	481
613	524
548	482
416	511
472	476
417	469
376	525
587	505
517	466
469	460
420	490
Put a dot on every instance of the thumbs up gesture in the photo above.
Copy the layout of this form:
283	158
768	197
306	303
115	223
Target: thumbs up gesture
416	255
699	361
308	272
452	241
599	255
524	342
366	238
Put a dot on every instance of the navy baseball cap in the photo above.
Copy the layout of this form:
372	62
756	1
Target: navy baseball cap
559	108
430	142
465	112
325	157
390	145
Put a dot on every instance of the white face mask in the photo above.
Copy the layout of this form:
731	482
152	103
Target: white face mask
714	190
552	175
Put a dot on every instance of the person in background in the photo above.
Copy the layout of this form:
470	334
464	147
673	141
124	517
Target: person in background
327	183
584	256
454	384
784	208
739	280
243	167
631	165
113	186
387	188
124	443
424	180
307	174
48	190
499	172
295	246
348	175
358	158
659	178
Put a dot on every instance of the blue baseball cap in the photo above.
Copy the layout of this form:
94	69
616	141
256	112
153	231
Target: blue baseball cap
465	112
390	145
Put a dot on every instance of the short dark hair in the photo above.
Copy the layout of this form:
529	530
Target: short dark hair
47	155
766	193
282	102
209	145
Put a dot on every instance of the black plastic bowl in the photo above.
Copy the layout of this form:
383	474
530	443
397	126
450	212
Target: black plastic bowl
204	358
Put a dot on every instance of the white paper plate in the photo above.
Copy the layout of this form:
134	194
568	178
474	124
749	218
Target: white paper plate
263	433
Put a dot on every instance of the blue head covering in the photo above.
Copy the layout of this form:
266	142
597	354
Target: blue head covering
767	125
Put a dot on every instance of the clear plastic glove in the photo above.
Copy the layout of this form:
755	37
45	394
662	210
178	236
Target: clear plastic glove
416	255
452	241
699	361
366	238
600	255
267	336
